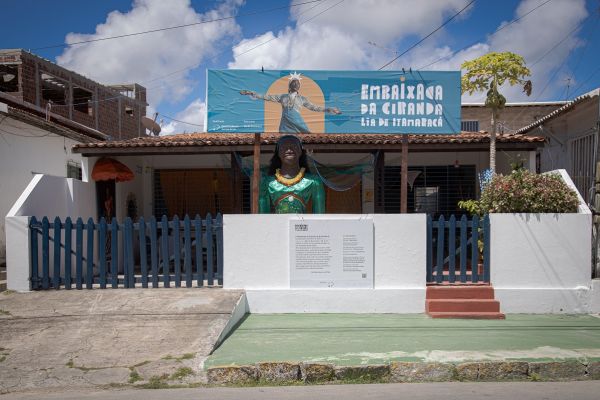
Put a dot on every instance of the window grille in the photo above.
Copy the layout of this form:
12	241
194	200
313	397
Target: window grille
469	126
73	170
583	154
436	190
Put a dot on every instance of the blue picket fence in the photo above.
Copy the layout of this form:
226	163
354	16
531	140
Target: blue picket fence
143	254
453	250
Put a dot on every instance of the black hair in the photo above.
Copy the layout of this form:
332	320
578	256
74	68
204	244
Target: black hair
276	161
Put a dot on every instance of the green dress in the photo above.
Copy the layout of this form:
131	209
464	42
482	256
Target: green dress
275	197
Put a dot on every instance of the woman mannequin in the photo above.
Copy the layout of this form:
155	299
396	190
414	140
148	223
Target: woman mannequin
289	188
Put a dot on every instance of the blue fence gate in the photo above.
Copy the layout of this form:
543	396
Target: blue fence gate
458	251
143	254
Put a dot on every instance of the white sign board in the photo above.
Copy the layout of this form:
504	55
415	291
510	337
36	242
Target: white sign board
331	253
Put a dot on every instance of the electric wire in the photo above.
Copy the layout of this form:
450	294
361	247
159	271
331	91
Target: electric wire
428	35
247	51
174	27
492	34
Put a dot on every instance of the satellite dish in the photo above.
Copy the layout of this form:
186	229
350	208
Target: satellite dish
151	125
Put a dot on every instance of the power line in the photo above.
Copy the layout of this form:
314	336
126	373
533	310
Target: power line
174	27
492	34
182	122
196	65
431	33
265	42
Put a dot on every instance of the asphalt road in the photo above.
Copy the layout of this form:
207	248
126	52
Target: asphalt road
413	391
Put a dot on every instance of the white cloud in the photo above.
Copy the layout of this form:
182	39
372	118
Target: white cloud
194	114
142	58
339	38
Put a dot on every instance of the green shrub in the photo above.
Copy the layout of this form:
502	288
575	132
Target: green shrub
522	191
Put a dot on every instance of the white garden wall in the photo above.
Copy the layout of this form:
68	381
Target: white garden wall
541	263
256	258
44	196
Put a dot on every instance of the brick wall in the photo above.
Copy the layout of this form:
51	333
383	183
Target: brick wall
511	118
105	101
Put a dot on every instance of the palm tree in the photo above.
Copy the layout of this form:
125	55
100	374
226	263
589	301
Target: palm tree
487	73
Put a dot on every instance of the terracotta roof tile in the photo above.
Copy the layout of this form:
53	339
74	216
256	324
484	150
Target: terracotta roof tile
559	111
236	139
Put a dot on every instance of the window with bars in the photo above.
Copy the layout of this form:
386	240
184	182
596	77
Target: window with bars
469	126
74	170
583	154
436	189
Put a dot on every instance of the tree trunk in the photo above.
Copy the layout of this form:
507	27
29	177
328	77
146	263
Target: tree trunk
493	143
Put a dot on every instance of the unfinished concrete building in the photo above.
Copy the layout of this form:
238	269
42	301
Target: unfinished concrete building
114	110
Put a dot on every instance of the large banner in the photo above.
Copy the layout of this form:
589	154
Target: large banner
333	101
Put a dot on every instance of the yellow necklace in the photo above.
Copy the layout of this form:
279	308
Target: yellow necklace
289	181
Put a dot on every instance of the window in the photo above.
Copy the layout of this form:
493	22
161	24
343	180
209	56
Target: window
129	111
469	126
73	170
9	78
436	189
83	100
54	89
426	199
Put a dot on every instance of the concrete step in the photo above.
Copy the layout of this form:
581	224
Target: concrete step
2	286
460	292
468	315
462	305
2	275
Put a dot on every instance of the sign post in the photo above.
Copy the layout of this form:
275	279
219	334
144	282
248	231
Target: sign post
256	174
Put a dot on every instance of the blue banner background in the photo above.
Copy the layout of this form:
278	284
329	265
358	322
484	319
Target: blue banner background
230	111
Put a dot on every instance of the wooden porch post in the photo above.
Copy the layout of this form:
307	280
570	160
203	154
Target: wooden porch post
404	176
236	183
256	173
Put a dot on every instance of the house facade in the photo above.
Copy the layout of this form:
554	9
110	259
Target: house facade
44	111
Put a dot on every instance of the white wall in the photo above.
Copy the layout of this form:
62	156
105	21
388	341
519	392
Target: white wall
44	196
24	151
256	259
541	263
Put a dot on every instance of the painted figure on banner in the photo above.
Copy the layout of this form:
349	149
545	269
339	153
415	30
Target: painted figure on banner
291	105
289	188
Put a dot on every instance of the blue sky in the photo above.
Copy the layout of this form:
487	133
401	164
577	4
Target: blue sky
559	40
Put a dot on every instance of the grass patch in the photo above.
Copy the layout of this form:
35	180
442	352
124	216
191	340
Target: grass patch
134	377
156	382
70	363
186	356
181	373
8	292
2	358
4	312
533	377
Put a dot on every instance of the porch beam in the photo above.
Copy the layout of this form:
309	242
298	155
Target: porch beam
324	148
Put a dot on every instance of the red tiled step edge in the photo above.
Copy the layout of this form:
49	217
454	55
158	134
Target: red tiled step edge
460	292
462	305
468	315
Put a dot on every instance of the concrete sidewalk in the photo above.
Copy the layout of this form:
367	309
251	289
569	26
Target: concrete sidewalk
91	338
409	341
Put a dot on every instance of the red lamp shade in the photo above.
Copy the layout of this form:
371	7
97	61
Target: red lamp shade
108	168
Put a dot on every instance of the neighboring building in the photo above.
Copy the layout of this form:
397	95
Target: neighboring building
45	110
477	117
571	135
